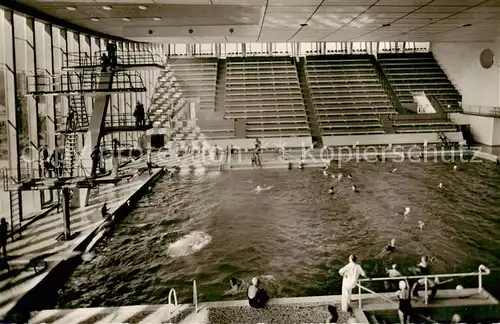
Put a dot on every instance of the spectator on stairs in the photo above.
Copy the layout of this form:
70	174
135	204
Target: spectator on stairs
111	49
44	157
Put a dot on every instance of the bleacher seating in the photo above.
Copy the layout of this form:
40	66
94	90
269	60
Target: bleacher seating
419	72
197	77
347	94
266	93
422	123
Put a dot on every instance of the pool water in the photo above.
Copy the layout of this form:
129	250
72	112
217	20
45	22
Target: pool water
295	236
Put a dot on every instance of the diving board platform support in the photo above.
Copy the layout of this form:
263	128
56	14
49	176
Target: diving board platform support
95	131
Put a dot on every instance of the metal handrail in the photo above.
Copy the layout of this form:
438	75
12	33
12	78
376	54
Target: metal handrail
482	270
195	296
170	293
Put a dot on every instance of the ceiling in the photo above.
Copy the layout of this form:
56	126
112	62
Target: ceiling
211	21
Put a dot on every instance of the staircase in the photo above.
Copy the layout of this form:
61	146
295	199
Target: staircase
220	93
396	104
77	105
308	104
15	212
386	124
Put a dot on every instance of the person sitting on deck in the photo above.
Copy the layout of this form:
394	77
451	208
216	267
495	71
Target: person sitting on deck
334	314
104	210
257	297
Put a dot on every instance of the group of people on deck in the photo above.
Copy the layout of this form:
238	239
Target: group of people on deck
350	273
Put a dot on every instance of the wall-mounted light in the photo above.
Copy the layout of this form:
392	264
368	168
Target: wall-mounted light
126	19
157	18
143	7
71	8
94	19
108	8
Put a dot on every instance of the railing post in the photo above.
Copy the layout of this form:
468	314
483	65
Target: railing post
359	295
195	296
426	297
480	279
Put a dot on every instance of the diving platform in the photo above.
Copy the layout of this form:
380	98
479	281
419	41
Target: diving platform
48	183
135	60
87	83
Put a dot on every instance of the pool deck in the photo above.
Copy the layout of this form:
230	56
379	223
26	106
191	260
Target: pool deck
41	238
279	310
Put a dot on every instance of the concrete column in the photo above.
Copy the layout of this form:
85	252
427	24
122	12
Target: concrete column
66	213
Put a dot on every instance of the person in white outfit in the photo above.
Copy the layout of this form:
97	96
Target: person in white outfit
351	273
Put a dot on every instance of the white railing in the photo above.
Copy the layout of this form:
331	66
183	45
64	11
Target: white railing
170	294
195	296
482	270
481	110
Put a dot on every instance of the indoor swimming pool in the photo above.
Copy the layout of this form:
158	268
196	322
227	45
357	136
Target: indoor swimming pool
293	234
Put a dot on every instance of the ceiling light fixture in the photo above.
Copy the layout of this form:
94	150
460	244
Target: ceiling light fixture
95	19
107	8
157	18
386	25
71	8
303	25
143	7
126	19
466	25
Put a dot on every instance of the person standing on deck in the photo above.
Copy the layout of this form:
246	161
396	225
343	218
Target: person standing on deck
111	48
3	237
351	273
139	114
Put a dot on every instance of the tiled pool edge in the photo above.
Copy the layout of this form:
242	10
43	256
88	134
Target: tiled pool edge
62	269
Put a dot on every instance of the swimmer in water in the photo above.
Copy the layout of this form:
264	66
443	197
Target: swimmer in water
340	176
388	249
392	273
301	165
258	189
354	188
349	176
392	246
331	190
325	173
235	286
440	185
455	168
421	225
290	165
394	170
407	212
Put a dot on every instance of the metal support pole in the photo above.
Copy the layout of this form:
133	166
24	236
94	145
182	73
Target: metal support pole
426	297
359	295
66	212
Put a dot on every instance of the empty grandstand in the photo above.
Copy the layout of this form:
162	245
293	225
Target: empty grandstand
422	123
197	77
416	72
347	94
265	92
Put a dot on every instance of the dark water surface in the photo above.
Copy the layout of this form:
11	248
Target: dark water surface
295	236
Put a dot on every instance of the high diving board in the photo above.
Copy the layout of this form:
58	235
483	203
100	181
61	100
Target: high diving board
125	61
87	83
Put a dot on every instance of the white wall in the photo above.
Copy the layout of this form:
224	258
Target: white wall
386	139
460	61
484	130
